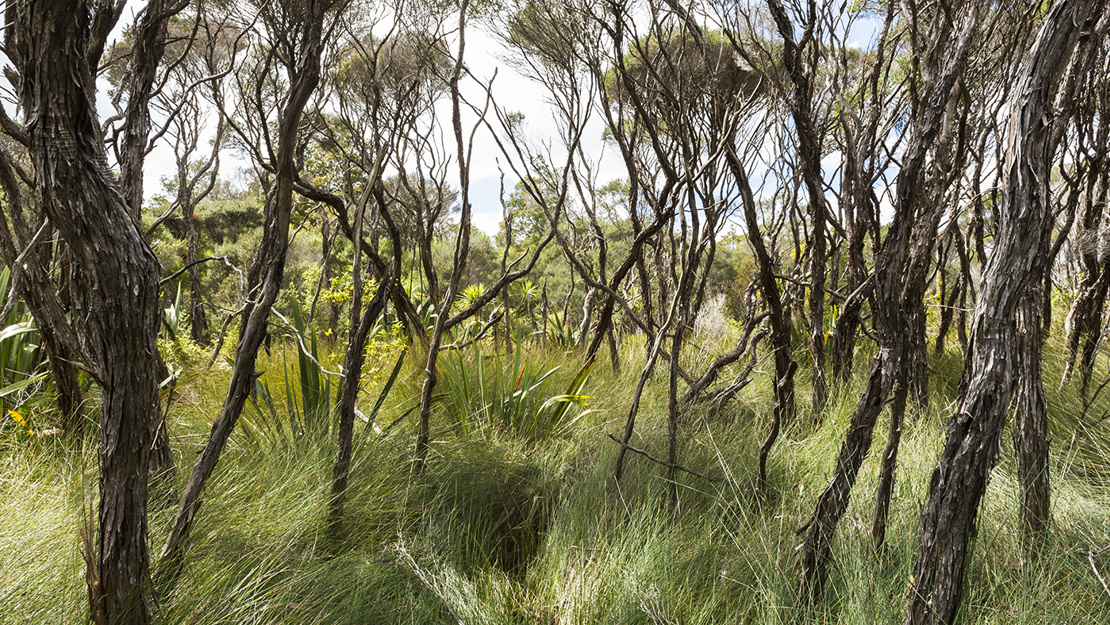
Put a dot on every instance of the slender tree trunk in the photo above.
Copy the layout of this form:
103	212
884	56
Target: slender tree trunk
645	374
359	329
546	306
147	47
348	395
809	155
1030	429
1083	324
778	318
266	273
198	325
423	437
36	290
587	314
817	545
67	389
890	458
672	413
327	243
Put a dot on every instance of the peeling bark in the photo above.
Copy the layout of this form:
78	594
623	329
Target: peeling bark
115	279
1018	261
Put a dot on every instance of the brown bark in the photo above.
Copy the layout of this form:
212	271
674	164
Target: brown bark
360	324
198	324
1018	261
462	251
1084	320
778	319
115	294
33	285
1030	431
266	273
673	407
645	374
809	154
899	285
348	394
147	46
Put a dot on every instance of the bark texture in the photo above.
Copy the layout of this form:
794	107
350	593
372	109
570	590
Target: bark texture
34	286
1030	429
898	285
115	279
148	45
778	318
266	274
1018	260
809	154
360	324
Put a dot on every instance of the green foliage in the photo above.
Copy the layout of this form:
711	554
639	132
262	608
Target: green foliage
509	526
560	333
22	366
481	393
307	388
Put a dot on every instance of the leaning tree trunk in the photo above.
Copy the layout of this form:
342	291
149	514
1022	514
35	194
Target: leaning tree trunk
809	154
910	318
902	252
1084	320
348	394
778	319
36	290
360	324
1018	261
115	298
267	273
148	43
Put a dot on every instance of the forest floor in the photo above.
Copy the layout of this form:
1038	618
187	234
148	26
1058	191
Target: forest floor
518	527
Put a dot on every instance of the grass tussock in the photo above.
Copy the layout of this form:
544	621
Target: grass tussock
513	523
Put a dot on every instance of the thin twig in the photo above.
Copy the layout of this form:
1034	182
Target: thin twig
647	455
304	348
189	266
1091	559
477	337
17	272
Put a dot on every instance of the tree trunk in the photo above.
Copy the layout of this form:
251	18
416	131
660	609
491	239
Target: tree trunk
809	155
899	284
147	46
778	318
266	274
348	394
36	290
116	276
67	389
672	412
198	325
1030	429
1083	324
1018	261
360	325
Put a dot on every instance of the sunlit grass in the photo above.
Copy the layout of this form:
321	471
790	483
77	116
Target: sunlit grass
504	528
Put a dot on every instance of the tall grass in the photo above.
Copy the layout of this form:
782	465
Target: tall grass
519	525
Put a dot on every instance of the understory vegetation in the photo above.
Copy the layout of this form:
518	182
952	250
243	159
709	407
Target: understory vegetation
514	526
554	312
